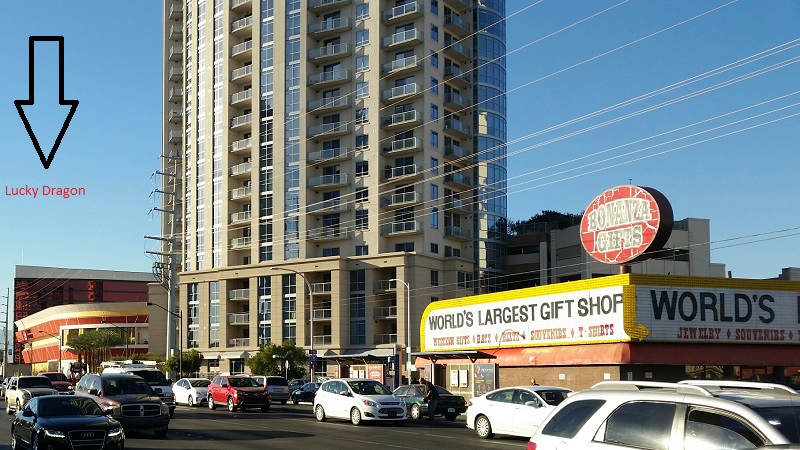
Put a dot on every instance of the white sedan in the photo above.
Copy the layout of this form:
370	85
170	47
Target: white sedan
516	411
191	391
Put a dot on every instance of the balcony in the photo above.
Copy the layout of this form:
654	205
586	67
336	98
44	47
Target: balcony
322	288
241	169
239	342
334	206
401	120
461	234
175	115
240	4
330	78
242	74
242	121
242	26
239	318
457	180
457	51
385	338
455	25
175	32
456	76
403	39
330	155
175	136
328	234
239	217
455	101
402	146
454	152
455	126
457	205
403	65
241	145
384	286
325	339
241	193
175	11
401	93
175	53
400	13
242	96
329	53
242	243
175	94
395	228
402	172
323	314
318	6
328	104
243	51
175	73
329	27
385	312
329	129
329	181
239	294
401	200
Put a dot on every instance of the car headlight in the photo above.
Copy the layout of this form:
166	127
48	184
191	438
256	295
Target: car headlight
115	432
54	434
164	408
370	403
26	395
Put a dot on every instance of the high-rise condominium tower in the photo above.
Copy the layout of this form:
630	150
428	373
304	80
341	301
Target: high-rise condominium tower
329	168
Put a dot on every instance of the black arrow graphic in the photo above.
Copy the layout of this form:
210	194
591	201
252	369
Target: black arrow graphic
73	104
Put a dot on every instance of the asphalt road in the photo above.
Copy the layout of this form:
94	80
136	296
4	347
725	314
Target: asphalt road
294	427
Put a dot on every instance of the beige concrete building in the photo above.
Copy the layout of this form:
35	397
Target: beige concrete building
315	151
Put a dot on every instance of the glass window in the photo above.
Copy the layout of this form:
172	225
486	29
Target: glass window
434	277
435	7
434	248
330	251
362	141
711	429
362	63
434	112
568	420
362	250
362	89
434	218
434	191
434	32
362	11
362	219
362	195
362	37
434	86
434	166
362	115
434	139
434	59
362	168
643	425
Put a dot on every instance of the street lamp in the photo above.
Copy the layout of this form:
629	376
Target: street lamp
126	331
311	310
408	319
179	315
59	347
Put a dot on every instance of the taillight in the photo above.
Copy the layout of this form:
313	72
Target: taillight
530	446
470	403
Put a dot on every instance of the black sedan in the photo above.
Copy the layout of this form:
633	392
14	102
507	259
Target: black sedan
304	393
65	422
449	405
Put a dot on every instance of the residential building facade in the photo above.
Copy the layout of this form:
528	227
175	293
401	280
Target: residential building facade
330	167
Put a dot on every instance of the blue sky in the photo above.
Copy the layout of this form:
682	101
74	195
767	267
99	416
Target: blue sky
745	183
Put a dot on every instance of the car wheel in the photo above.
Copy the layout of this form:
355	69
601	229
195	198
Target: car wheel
231	405
162	432
189	401
295	400
319	413
211	405
416	412
172	413
450	417
355	416
35	441
483	427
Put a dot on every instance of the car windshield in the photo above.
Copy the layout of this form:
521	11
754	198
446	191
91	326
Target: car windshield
369	387
243	382
56	376
126	386
199	383
785	418
34	382
442	391
68	406
154	377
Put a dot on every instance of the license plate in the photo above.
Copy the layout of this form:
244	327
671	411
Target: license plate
451	410
392	414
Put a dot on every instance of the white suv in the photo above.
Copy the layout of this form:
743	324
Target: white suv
358	399
652	415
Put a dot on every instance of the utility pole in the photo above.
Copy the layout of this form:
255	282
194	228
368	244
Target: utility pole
5	337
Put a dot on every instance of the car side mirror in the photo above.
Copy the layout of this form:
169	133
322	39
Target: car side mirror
28	413
534	404
93	392
158	390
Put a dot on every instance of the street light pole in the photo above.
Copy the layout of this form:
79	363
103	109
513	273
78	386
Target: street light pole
408	319
59	348
5	338
311	312
179	315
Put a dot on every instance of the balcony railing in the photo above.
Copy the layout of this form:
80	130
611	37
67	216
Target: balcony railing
457	51
175	73
242	96
329	128
328	233
456	125
241	242
239	294
409	62
457	204
454	151
239	318
403	145
241	144
330	154
242	120
329	103
336	205
323	314
332	76
175	94
454	99
322	288
456	75
241	24
454	22
237	3
402	171
403	118
411	226
241	216
242	48
413	36
239	342
329	51
241	169
325	339
456	178
241	72
386	338
384	286
458	233
329	26
406	11
338	179
399	92
241	192
175	136
321	5
176	53
406	198
386	311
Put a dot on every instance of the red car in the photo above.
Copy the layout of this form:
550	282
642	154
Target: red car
238	392
60	382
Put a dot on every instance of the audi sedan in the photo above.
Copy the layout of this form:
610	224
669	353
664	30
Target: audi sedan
60	421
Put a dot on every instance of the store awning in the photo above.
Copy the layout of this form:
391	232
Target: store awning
234	355
361	356
472	355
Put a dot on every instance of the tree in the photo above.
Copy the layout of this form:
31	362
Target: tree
549	220
271	360
192	360
95	345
